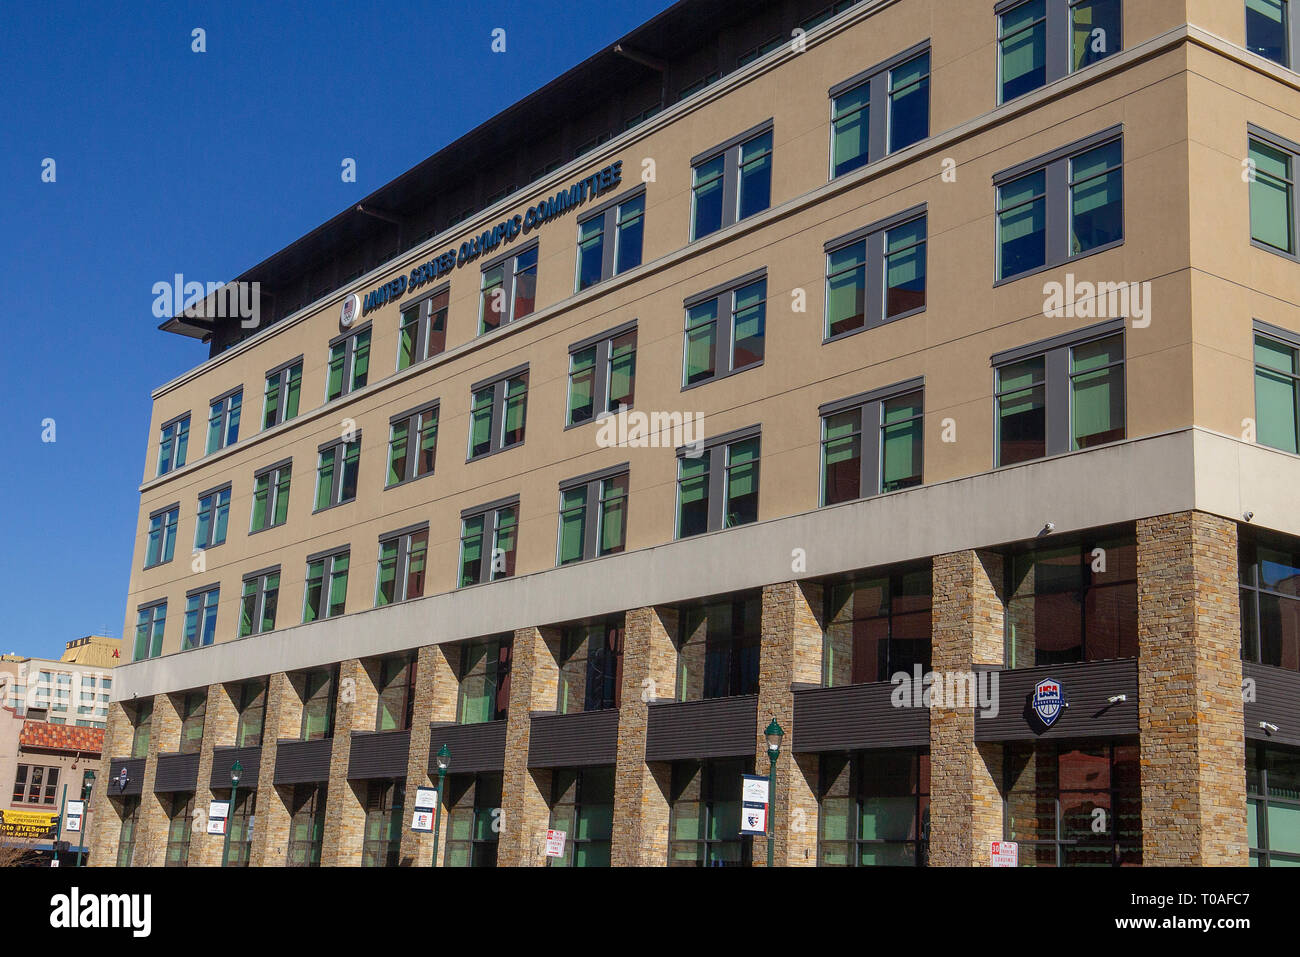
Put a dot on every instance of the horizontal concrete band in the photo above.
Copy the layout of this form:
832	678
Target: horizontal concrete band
1173	472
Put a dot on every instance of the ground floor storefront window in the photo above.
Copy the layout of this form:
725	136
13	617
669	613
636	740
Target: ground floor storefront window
1072	805
126	835
180	816
704	830
383	834
874	809
474	824
1273	795
583	807
307	825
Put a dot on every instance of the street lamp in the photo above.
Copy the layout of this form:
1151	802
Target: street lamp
236	770
444	760
773	734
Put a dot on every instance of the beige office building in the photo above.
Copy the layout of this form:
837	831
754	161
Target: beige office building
919	375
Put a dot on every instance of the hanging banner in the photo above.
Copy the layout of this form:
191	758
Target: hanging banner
37	825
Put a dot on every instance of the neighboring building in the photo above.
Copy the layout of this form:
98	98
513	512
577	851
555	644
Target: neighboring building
95	650
52	716
866	257
74	690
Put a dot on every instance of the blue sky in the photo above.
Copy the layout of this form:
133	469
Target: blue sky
170	161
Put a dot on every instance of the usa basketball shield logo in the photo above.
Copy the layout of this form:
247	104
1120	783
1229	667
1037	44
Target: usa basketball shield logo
1048	701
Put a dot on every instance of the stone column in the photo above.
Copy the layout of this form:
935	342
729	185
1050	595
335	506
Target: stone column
105	820
219	724
153	820
641	789
345	815
525	793
430	675
965	778
283	719
791	651
1190	708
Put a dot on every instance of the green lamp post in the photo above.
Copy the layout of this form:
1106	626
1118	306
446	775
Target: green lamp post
444	761
773	734
236	770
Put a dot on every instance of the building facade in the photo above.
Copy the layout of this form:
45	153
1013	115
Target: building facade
997	530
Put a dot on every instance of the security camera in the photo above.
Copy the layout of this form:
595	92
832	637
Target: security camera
1267	727
1116	699
1248	516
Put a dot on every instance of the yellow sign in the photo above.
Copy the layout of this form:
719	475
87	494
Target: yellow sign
39	825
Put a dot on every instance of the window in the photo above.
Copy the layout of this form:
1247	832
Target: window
1056	208
609	239
141	727
423	331
1043	40
484	693
821	16
412	444
872	443
718	487
725	329
1269	569
877	624
704	82
900	89
874	809
1072	603
508	289
488	537
271	496
326	591
177	852
1277	399
591	667
1053	793
318	703
257	604
283	390
250	703
473	819
223	420
718	648
497	413
194	709
1273	224
126	834
200	617
593	515
1271	29
1273	796
582	805
307	825
876	274
212	518
336	472
150	623
602	374
240	823
731	181
396	688
349	364
755	53
160	547
1061	395
34	784
173	444
704	827
403	556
